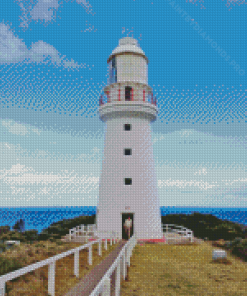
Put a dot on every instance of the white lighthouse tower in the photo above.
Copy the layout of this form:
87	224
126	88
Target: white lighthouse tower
128	183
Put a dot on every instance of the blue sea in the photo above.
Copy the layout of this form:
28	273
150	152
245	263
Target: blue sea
39	218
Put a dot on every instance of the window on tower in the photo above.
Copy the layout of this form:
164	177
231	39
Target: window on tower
127	151
127	127
128	93
128	181
112	71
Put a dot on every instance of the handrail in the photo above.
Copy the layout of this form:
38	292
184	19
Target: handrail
80	228
187	232
52	263
104	286
148	98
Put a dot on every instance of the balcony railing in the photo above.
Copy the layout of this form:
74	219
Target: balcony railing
133	97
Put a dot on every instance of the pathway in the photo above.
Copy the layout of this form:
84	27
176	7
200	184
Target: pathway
90	281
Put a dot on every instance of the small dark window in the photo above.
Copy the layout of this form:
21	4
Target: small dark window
127	152
128	181
127	93
113	62
127	127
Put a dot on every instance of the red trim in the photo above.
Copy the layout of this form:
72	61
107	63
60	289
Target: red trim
144	95
152	100
119	94
108	96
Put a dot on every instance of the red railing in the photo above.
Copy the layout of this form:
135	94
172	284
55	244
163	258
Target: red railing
153	100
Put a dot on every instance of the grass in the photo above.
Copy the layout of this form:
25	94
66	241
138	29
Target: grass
36	282
183	270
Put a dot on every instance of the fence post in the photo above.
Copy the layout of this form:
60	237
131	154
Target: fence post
90	255
117	280
111	240
105	243
51	278
76	263
70	234
100	252
107	287
124	266
2	288
128	255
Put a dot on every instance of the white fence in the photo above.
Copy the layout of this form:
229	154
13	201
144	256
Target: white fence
52	264
182	231
91	230
103	286
120	264
83	230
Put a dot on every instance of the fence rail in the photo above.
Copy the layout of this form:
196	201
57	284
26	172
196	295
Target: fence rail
84	229
52	264
183	231
140	96
120	264
167	228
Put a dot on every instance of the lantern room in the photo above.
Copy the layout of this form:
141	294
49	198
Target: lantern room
128	62
128	74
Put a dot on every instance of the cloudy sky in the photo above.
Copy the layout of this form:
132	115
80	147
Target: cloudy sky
53	68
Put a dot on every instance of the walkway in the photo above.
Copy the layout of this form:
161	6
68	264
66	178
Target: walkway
86	286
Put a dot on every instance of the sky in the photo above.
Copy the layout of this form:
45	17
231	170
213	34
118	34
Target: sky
53	69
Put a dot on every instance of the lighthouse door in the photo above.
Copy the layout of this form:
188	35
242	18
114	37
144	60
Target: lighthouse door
125	216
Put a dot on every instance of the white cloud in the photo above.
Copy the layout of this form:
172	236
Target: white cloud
19	175
18	169
183	183
14	50
186	133
36	131
19	129
15	128
201	172
44	10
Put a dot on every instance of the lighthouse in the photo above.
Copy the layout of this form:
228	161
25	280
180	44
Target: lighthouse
128	182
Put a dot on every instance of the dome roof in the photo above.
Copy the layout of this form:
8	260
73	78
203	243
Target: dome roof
128	44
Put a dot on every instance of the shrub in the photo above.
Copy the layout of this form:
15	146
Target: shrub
3	247
8	265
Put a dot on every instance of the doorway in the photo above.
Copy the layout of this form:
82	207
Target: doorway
124	217
128	93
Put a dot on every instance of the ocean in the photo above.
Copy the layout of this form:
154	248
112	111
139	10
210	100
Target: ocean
39	218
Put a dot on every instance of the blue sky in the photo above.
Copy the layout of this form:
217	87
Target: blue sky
53	68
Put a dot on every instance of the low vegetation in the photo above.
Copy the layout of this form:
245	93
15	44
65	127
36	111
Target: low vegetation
160	270
36	282
35	247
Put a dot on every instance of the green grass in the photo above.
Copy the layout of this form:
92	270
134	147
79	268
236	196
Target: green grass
183	270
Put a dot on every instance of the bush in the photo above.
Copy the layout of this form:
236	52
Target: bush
3	247
4	229
228	245
240	249
8	265
31	235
